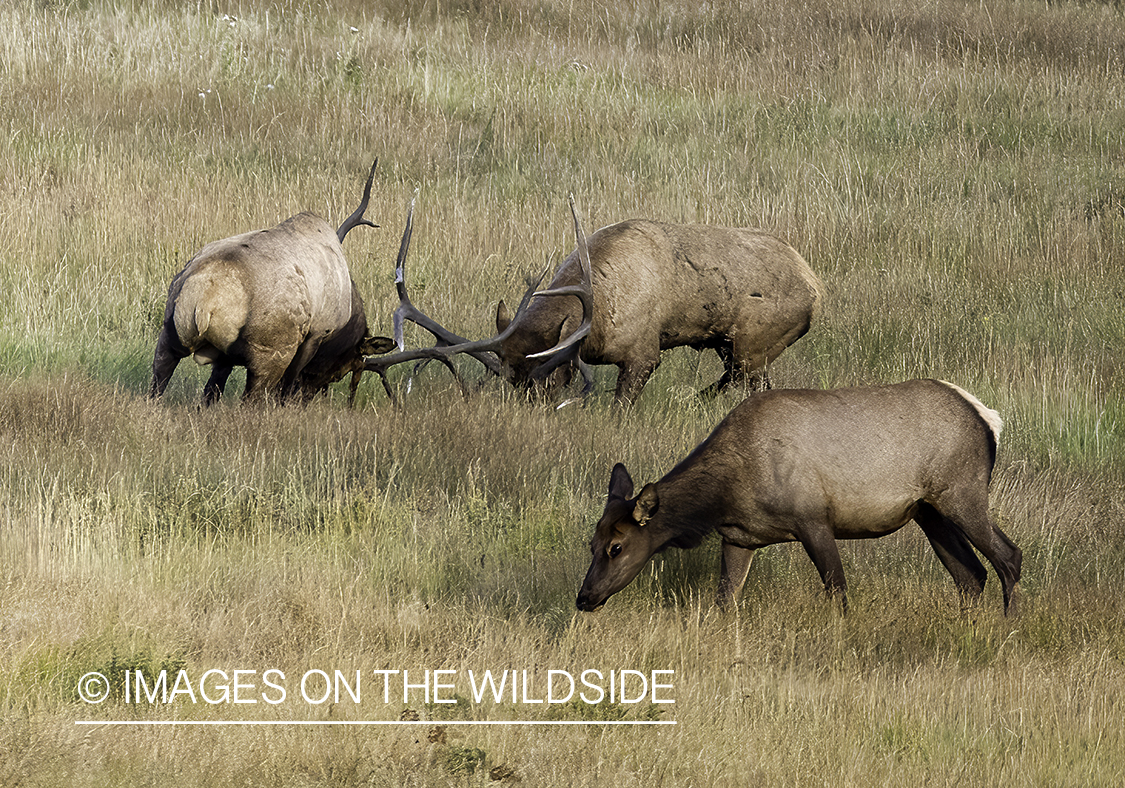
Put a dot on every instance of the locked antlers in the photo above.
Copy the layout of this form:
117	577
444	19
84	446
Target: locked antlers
489	351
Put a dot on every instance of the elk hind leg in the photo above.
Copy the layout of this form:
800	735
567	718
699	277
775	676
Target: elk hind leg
745	363
632	376
217	382
264	375
290	381
954	551
969	513
731	372
752	351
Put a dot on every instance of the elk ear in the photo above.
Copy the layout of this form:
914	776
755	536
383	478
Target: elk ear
646	504
503	317
620	483
374	346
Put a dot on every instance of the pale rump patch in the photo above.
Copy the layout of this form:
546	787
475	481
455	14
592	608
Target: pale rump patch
991	417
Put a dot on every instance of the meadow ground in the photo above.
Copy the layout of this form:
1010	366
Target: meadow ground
953	173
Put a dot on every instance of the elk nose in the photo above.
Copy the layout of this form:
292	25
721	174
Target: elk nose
586	604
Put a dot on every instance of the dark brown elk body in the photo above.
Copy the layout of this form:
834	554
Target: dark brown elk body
740	292
280	302
814	467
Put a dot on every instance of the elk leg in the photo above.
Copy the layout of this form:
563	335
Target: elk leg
726	354
216	384
825	554
954	551
354	386
262	379
970	514
732	574
633	375
587	377
301	358
168	355
744	364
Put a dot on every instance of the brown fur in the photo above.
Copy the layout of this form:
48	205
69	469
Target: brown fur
740	292
814	467
280	302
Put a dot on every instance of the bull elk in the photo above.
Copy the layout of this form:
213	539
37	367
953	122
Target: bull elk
280	302
651	287
814	467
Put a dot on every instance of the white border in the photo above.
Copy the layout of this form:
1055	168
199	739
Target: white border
374	722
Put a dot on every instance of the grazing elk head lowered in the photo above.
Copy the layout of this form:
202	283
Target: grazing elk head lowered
814	467
280	302
740	292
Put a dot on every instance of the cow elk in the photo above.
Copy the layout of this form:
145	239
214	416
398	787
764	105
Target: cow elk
814	467
280	302
649	287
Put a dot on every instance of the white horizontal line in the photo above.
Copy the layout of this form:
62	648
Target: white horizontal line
373	722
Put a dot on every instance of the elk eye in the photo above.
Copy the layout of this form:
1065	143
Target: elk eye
615	550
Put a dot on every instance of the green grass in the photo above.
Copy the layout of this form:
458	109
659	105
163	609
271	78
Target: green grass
952	172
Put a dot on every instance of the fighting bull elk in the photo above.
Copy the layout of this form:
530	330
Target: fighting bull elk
280	302
643	287
814	467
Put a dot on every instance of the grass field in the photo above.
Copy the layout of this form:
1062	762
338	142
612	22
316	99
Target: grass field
952	171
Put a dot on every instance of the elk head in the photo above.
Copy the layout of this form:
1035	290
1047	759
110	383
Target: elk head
624	540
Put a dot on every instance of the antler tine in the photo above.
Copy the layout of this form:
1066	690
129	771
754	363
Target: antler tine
449	344
531	292
567	350
585	293
356	218
404	305
407	311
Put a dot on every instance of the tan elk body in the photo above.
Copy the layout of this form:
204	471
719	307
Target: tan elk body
814	467
743	293
280	302
642	288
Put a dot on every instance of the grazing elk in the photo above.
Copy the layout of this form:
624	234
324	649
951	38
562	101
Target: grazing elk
653	286
280	302
814	467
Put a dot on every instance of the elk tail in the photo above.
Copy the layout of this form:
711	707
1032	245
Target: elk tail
987	414
211	309
990	417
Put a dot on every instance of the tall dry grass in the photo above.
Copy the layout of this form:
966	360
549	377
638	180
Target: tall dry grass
951	171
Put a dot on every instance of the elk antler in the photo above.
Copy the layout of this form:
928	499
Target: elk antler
356	218
566	352
449	344
407	311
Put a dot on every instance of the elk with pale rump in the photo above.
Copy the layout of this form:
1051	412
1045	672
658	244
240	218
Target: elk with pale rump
280	302
649	287
814	467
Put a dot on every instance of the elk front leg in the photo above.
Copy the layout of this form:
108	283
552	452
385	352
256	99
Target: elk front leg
821	546
632	376
732	575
